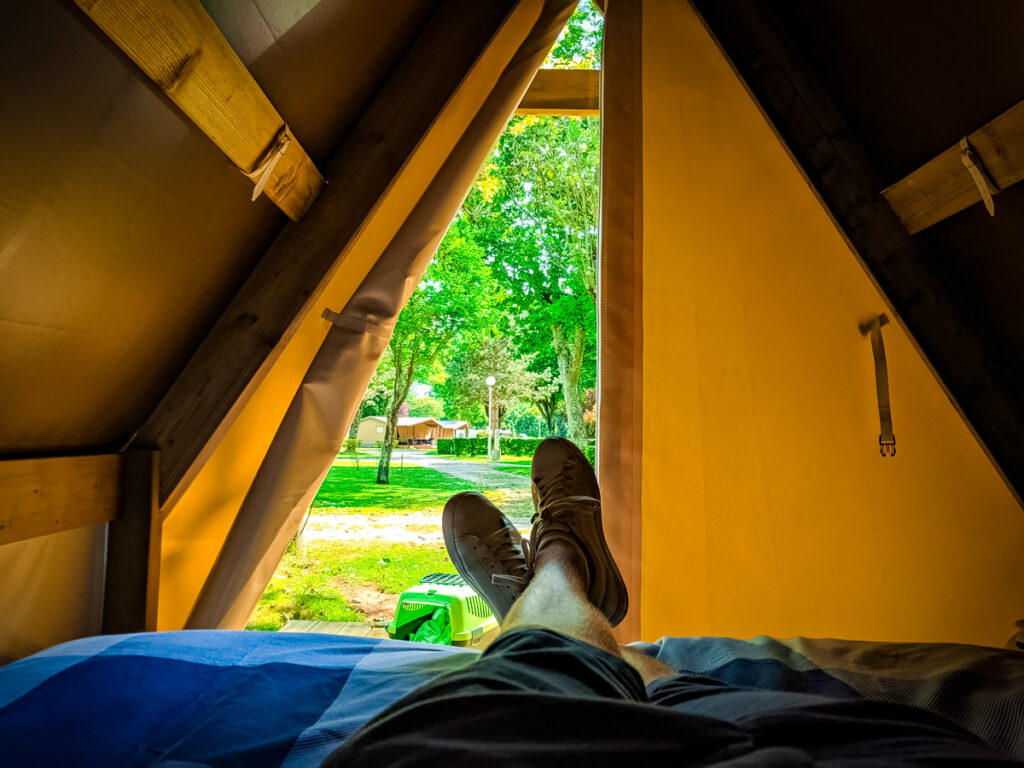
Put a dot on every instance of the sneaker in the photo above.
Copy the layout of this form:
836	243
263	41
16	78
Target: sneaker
568	503
487	550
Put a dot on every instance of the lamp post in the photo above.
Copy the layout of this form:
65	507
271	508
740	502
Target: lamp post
490	409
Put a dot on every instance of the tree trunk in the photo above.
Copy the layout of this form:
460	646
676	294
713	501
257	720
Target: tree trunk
384	463
547	409
400	391
353	430
570	346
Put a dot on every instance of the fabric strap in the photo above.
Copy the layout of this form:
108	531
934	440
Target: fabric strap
886	438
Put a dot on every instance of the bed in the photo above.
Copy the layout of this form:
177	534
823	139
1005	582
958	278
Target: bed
218	698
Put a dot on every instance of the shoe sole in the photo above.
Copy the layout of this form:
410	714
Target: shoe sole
616	596
448	531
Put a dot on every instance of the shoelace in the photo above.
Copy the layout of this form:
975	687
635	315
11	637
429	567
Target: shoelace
555	515
558	518
511	556
555	485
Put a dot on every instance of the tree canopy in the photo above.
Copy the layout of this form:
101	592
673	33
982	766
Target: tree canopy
534	211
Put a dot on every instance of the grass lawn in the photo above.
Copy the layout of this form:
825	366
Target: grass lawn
314	586
516	469
412	490
308	587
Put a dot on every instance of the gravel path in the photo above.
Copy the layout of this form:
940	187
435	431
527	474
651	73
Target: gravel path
516	502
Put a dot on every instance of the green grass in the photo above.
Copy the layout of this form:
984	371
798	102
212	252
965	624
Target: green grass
411	490
391	567
516	469
307	587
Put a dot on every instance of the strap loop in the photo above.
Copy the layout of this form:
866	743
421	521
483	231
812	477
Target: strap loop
979	174
886	438
260	175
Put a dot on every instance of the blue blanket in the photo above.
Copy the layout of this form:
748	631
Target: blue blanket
204	697
213	698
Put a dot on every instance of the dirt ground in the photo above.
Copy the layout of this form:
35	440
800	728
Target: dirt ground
378	606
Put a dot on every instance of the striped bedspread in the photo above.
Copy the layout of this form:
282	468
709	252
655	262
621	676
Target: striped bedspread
213	698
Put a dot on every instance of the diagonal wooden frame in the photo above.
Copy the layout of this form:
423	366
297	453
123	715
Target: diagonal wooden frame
943	186
245	341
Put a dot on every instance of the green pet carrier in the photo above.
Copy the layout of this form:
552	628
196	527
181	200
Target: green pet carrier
441	609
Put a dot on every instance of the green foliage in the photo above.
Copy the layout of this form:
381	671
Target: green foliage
526	418
589	452
426	406
468	446
445	446
465	384
534	210
579	45
519	446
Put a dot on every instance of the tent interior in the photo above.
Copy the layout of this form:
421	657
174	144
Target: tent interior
164	334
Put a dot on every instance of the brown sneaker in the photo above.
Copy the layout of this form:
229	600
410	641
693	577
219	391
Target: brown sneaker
568	503
487	550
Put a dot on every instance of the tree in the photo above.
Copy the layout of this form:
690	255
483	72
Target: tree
465	385
455	299
549	408
534	210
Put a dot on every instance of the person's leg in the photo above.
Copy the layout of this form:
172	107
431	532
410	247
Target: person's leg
556	599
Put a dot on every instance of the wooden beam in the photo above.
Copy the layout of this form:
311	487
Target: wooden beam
943	186
133	549
178	45
620	438
43	496
947	333
264	314
562	92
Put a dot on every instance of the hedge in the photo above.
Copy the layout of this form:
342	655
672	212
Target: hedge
510	446
463	446
519	446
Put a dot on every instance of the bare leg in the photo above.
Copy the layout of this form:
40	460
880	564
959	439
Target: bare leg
556	598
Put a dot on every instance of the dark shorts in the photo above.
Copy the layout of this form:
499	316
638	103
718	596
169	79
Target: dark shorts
536	697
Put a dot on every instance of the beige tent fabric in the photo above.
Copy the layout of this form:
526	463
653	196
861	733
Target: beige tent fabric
313	429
